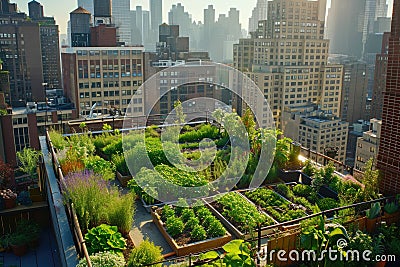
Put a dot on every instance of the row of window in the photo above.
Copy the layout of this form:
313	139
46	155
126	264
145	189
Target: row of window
108	52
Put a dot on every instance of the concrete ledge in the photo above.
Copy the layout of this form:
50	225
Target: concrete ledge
59	219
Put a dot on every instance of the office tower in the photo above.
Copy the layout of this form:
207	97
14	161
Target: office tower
50	45
87	4
368	144
155	14
208	28
137	26
258	13
102	12
106	76
20	52
178	16
147	36
388	155
80	20
308	125
380	78
121	20
35	10
287	58
355	85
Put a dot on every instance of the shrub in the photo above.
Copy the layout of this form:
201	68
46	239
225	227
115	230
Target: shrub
167	212
82	145
284	190
174	226
100	166
145	253
120	164
203	212
104	259
28	158
121	211
103	140
302	190
187	214
57	139
327	204
198	233
114	147
104	238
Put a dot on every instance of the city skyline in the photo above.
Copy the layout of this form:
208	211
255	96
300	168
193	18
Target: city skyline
61	13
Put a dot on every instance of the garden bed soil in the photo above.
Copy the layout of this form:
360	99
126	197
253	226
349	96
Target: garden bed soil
129	247
180	245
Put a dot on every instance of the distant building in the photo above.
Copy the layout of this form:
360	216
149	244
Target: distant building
317	130
258	13
156	17
388	155
87	4
50	46
103	77
368	145
121	20
20	52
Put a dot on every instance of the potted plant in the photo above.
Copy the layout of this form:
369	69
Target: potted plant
18	243
28	159
9	197
391	212
373	215
31	231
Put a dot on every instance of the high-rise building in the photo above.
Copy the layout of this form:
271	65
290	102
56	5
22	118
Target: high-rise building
87	4
388	155
20	52
350	23
50	45
287	58
368	145
102	12
80	20
354	90
106	76
258	13
380	78
121	20
156	17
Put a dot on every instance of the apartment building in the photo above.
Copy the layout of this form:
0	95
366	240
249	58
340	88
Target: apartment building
368	145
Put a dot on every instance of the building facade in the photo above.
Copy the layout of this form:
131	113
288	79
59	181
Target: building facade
121	19
104	78
287	58
389	146
368	145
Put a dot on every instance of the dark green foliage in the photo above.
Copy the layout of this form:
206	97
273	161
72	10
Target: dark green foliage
104	238
198	233
327	204
174	226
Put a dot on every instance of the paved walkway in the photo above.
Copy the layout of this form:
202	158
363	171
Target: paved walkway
46	255
144	227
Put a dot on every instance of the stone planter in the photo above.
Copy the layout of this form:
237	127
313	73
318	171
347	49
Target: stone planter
191	248
123	179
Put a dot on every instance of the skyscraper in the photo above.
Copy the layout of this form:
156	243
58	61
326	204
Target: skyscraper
87	4
258	13
389	156
102	12
20	52
155	14
50	45
121	19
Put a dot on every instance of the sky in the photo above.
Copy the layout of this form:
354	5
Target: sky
61	9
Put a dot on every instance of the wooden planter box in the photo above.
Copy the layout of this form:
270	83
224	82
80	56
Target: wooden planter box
391	218
148	207
191	248
359	223
123	179
236	232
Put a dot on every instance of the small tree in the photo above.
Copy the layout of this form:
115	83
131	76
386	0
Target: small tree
6	174
371	181
28	159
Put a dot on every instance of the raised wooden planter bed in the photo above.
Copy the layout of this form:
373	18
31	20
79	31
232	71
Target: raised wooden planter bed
391	218
123	179
236	232
148	207
191	248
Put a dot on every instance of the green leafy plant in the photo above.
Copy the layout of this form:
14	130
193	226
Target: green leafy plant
100	166
327	204
198	233
374	211
103	259
191	224
174	226
391	207
120	211
309	168
120	164
145	253
104	238
28	159
57	139
302	190
215	229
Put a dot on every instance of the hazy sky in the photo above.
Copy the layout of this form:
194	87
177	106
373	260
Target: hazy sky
60	9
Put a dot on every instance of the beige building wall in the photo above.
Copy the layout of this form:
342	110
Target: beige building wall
368	145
